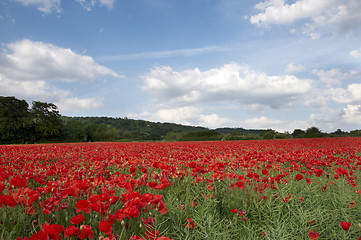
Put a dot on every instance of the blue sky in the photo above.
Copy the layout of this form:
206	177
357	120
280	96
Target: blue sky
280	64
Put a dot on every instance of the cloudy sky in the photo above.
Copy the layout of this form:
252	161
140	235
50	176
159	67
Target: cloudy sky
280	64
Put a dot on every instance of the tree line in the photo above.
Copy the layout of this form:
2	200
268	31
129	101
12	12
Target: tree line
42	122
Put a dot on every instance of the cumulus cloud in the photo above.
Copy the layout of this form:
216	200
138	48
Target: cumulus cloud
335	76
29	70
350	95
231	82
352	114
338	15
74	104
346	118
188	115
262	122
33	60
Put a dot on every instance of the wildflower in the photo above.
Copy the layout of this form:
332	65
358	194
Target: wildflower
77	219
87	232
313	235
235	210
83	205
190	223
345	225
299	177
71	231
106	227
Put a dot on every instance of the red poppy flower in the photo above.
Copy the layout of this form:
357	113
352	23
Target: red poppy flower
83	205
190	223
86	232
77	219
313	235
19	182
7	200
106	227
53	230
235	210
71	231
345	225
299	177
265	172
2	187
41	235
132	169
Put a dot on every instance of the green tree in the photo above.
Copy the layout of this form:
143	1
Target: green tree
14	120
298	133
46	119
105	132
75	130
313	132
268	134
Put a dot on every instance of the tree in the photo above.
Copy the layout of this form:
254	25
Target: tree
75	130
105	132
268	134
298	133
14	120
313	132
46	119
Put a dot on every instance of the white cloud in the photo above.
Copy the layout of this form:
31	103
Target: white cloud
351	95
32	90
29	69
261	122
74	104
335	76
188	115
30	60
49	6
107	3
45	6
347	118
291	68
231	82
264	122
338	15
87	4
355	53
352	114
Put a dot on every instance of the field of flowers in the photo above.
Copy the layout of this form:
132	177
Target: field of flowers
266	189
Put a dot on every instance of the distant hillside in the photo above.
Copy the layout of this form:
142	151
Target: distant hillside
42	122
107	128
239	130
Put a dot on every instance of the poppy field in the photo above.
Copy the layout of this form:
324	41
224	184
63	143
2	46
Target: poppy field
259	189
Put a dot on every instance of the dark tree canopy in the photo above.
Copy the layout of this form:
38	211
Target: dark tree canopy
46	118
14	119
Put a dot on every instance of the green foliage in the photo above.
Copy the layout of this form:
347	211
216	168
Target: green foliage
14	120
236	135
105	133
46	119
206	135
269	134
313	132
